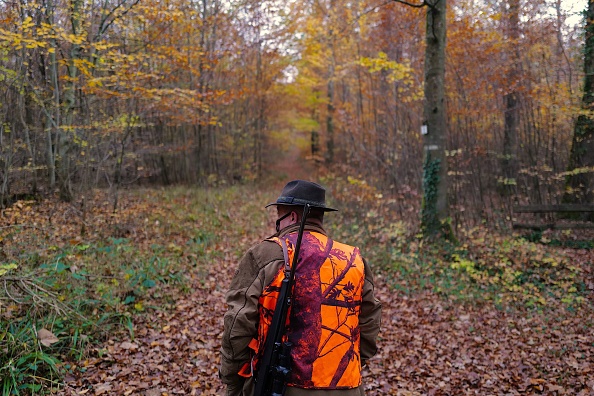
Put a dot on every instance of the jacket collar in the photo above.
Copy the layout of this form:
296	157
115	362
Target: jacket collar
314	226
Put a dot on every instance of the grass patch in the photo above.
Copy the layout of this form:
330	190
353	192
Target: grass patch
25	366
84	288
82	295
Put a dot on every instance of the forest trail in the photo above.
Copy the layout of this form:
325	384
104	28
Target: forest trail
428	345
426	348
175	350
291	165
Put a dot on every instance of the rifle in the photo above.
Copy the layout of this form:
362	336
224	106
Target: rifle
275	365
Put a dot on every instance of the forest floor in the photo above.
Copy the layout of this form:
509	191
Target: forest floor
428	345
166	257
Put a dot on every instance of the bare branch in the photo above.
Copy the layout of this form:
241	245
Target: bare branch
18	288
421	5
106	22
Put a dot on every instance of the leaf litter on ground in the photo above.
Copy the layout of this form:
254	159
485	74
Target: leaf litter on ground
431	343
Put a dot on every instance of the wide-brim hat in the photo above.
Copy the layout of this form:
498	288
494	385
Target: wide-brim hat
302	192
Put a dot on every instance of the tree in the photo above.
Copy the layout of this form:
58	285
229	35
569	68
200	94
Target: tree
580	178
509	163
434	210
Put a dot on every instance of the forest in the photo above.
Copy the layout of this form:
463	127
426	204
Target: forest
141	139
109	94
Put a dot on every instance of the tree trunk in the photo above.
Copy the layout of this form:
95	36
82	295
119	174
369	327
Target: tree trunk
434	211
65	143
580	181
330	114
51	122
260	103
509	162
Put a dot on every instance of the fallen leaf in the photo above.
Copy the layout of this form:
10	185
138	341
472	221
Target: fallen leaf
102	388
46	337
128	345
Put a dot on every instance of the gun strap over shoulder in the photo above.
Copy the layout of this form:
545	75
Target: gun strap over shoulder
283	244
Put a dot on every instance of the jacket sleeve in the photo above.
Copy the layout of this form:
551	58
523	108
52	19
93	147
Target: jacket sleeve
370	317
241	318
240	321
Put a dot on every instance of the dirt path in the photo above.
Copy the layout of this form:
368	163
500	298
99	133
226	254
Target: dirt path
426	348
291	166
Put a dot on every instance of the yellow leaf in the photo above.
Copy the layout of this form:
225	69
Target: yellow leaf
27	23
4	268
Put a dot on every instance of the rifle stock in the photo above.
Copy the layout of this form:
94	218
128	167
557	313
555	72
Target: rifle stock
275	365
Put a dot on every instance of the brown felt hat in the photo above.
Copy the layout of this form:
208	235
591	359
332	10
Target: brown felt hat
302	192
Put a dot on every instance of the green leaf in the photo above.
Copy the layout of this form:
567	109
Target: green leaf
148	283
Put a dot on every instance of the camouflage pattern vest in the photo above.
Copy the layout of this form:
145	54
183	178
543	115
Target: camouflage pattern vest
323	319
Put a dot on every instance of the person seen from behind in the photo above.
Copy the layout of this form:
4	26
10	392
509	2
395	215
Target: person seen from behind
334	317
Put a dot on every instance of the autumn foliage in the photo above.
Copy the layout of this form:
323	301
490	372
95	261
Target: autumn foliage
112	280
142	91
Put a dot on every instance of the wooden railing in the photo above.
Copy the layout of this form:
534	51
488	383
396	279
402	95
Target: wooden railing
561	208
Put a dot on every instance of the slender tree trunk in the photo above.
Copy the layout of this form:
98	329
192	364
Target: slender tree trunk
120	152
259	100
330	113
434	212
22	112
52	122
509	163
5	165
65	143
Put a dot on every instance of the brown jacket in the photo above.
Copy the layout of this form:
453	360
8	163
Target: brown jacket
257	269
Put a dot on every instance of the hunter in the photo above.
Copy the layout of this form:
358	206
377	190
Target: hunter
334	317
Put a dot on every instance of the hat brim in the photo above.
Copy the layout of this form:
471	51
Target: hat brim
323	208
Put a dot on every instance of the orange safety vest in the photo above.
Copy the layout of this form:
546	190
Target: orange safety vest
323	319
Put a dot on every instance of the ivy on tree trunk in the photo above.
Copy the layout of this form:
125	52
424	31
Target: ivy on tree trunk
434	212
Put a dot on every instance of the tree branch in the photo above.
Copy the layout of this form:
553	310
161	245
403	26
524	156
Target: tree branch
421	5
20	289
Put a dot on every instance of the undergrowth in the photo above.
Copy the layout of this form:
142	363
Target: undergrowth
79	295
508	271
64	291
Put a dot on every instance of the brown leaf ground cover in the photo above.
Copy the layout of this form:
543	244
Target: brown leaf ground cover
426	348
432	342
